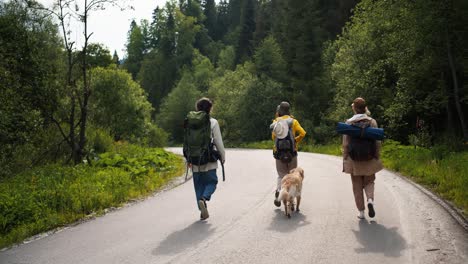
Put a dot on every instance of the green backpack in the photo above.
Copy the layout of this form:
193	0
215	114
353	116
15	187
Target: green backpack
197	138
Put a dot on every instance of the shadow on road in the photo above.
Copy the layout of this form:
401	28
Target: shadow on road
187	237
376	238
282	224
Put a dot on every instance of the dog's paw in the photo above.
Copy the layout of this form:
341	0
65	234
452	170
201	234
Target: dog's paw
288	215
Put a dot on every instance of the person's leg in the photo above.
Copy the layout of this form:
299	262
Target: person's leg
210	182
357	182
292	164
369	189
198	185
369	183
281	169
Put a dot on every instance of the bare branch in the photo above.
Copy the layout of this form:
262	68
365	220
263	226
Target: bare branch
99	4
65	137
89	36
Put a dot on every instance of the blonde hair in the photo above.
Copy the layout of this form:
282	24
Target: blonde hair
367	111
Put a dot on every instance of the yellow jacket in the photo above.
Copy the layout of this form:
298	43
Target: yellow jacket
298	132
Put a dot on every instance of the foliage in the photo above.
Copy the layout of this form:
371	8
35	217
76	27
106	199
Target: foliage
30	68
440	170
99	140
178	103
135	49
119	104
163	65
155	137
98	56
227	59
247	28
227	92
269	60
394	54
54	195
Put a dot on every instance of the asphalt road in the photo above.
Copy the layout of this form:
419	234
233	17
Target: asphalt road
245	227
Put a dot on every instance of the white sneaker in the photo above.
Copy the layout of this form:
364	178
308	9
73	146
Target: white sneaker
361	215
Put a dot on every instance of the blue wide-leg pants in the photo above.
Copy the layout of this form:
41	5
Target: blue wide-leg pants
205	184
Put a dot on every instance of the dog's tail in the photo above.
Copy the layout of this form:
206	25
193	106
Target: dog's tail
282	195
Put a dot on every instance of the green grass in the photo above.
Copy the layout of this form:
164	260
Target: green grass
52	196
268	144
442	171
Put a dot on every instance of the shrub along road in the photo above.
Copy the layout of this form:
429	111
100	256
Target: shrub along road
245	227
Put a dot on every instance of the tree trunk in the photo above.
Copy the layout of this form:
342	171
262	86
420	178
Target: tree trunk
86	88
456	95
448	110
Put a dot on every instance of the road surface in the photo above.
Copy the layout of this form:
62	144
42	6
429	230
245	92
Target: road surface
245	227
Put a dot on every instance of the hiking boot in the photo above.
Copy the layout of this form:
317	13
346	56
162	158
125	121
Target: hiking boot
276	202
204	210
370	206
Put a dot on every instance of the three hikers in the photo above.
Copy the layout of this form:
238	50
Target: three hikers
203	147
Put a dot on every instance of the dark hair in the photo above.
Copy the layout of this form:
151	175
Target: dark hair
204	104
359	105
283	109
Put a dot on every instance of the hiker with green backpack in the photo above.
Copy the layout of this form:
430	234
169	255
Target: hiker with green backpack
287	133
361	158
203	147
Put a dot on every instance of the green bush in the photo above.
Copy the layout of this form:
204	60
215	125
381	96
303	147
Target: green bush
323	133
155	137
99	140
53	195
42	147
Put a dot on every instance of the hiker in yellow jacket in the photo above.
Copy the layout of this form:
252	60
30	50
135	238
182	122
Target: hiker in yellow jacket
287	134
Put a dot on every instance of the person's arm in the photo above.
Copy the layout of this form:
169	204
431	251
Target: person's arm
299	131
218	141
272	126
344	146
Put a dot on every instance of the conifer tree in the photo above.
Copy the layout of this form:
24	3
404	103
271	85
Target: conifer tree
115	58
135	49
234	13
209	10
247	27
222	24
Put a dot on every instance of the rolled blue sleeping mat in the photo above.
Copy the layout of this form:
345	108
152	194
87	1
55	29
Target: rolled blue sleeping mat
355	131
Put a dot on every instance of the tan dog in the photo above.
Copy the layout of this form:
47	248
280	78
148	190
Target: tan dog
291	187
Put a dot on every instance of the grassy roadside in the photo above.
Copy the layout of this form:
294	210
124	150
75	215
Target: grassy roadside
52	196
442	171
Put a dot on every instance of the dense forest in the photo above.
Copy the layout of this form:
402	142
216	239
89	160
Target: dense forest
64	102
